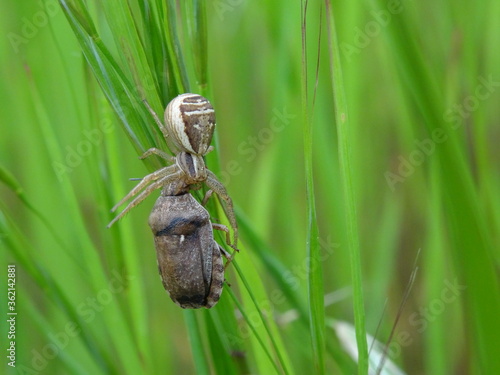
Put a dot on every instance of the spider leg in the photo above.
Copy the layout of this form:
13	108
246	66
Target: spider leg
229	257
155	116
207	196
160	153
147	179
214	184
228	238
145	193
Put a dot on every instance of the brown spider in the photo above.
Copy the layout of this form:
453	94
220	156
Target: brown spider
189	124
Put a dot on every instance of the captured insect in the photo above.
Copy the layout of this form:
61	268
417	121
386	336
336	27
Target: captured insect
189	259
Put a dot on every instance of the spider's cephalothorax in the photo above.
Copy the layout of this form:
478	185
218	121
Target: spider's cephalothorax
189	127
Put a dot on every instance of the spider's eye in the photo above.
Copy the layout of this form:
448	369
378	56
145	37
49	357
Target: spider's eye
190	121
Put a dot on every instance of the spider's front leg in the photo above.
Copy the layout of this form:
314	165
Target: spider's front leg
160	153
146	180
163	175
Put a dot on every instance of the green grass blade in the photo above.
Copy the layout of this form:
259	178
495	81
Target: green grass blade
315	266
195	339
345	144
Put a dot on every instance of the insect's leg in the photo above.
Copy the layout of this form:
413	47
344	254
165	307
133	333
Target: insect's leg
228	237
160	153
150	177
145	193
214	184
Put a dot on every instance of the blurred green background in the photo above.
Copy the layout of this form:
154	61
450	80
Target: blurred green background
402	182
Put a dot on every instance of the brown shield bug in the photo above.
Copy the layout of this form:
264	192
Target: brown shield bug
189	259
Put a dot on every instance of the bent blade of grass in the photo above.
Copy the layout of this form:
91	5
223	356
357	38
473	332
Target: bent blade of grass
341	119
